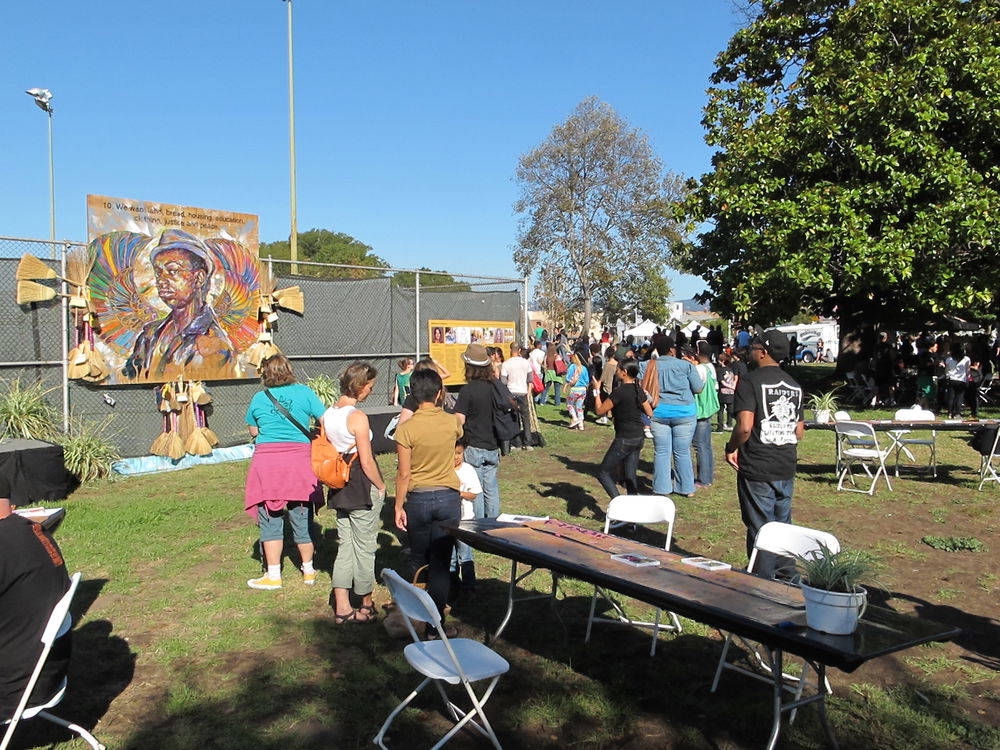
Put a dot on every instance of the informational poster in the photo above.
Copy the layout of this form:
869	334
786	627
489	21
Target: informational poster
175	289
449	338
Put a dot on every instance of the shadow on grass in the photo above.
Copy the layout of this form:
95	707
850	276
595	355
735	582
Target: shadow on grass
577	499
101	667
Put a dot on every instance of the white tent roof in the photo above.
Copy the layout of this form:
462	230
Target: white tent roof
645	329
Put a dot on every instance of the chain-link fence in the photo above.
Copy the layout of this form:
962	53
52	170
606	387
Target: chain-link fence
380	317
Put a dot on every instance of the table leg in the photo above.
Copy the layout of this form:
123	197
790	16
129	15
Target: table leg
510	602
821	685
512	586
779	689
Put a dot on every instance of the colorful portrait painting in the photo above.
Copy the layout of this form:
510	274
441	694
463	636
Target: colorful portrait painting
175	289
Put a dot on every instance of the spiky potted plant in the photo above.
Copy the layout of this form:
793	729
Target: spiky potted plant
831	587
823	405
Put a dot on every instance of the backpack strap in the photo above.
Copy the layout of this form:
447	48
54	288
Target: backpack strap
287	416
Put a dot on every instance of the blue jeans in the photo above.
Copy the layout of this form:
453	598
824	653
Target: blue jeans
703	445
672	444
543	397
761	502
487	503
429	543
622	453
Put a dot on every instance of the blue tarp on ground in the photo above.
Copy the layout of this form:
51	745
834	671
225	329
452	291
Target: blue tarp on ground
155	464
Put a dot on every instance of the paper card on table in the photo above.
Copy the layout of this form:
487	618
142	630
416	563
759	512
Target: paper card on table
515	518
36	514
637	561
706	563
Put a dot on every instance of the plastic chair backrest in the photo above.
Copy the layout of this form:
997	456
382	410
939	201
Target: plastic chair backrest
914	414
856	430
841	416
415	603
642	509
60	620
788	539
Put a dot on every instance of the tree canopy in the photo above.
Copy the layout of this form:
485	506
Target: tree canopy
596	213
324	246
858	164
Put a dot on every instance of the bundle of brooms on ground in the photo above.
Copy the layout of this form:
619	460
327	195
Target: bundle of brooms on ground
185	426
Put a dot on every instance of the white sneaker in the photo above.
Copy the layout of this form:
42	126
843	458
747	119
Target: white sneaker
602	420
647	432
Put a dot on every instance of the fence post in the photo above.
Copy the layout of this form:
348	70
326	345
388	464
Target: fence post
525	335
416	297
64	338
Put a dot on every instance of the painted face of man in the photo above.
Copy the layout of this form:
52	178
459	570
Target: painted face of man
178	277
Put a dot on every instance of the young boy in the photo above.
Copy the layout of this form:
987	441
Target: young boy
463	570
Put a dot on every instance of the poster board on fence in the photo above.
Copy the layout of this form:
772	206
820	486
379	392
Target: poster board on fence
448	339
175	288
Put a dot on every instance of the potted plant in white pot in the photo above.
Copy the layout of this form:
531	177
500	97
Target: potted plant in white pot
823	405
831	588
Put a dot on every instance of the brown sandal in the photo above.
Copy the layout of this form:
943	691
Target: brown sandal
350	618
370	612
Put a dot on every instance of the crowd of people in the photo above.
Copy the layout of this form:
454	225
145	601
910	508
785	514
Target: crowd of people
449	447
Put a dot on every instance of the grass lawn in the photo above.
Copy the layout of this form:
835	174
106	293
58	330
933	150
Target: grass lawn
172	650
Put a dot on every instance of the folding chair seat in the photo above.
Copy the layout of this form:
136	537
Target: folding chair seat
779	539
643	510
864	457
59	623
902	444
990	462
448	660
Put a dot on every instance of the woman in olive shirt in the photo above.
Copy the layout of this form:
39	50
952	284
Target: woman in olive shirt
427	487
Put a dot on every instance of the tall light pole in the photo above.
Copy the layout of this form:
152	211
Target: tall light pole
43	98
293	237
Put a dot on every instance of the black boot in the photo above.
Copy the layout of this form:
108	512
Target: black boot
468	577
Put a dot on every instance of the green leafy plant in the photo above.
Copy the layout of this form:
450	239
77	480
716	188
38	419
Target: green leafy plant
88	450
24	412
824	401
326	388
835	571
954	543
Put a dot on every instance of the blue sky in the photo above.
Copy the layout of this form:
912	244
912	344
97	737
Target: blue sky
410	116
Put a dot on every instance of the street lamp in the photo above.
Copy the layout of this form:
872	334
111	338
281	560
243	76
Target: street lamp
293	237
43	98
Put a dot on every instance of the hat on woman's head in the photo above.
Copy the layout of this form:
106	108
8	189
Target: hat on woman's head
475	354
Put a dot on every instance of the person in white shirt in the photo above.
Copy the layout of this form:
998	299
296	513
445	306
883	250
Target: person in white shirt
537	360
463	569
515	373
957	374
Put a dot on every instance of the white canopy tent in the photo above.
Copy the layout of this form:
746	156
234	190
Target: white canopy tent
642	331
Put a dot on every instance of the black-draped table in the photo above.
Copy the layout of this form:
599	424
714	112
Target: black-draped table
891	425
769	612
35	469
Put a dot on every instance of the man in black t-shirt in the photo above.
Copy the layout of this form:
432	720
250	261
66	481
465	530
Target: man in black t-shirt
762	448
474	408
32	579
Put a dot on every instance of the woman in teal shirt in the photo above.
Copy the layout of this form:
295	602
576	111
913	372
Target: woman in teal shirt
280	481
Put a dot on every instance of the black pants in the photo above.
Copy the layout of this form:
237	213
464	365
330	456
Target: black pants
724	417
623	453
956	397
525	415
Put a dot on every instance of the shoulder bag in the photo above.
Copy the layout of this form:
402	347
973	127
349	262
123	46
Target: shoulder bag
651	383
328	464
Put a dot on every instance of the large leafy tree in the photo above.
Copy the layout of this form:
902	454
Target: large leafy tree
858	163
324	246
595	210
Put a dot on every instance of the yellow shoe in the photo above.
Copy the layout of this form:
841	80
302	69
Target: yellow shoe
265	583
309	579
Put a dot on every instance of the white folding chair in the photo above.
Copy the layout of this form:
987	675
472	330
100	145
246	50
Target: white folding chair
902	444
987	463
842	440
644	510
59	623
779	539
861	456
448	660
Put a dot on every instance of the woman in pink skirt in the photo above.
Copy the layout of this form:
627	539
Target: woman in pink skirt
281	483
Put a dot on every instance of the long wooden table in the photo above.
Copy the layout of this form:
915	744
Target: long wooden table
890	425
769	612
